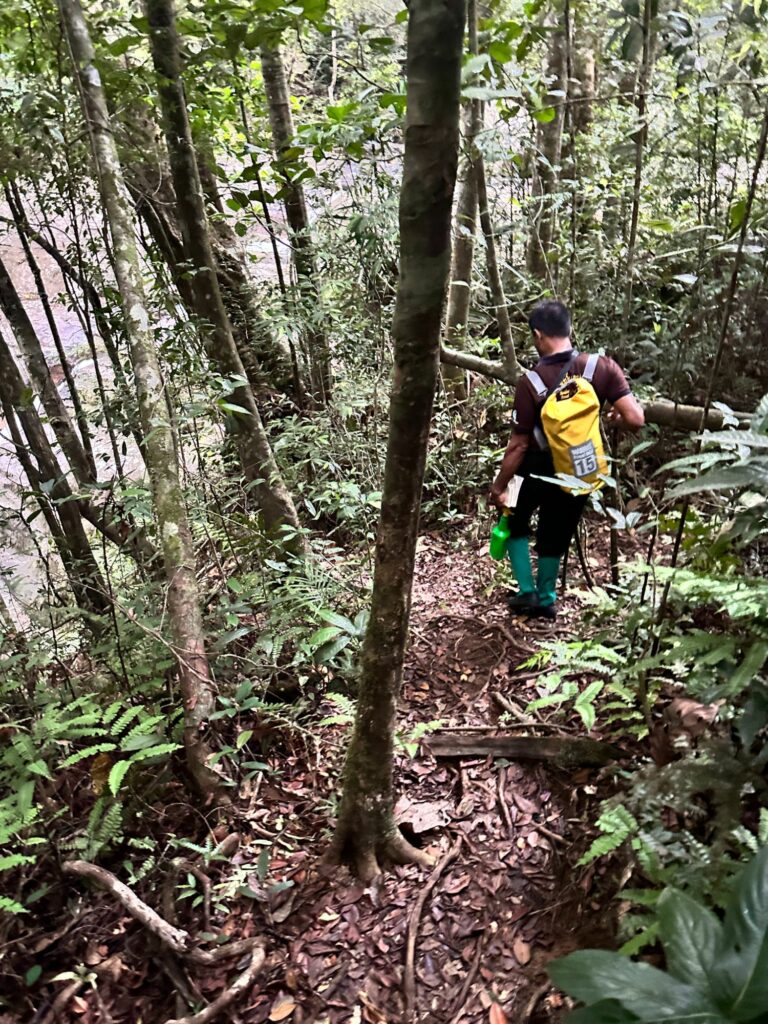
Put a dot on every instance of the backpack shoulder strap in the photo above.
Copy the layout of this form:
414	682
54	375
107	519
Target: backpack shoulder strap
540	388
538	385
589	370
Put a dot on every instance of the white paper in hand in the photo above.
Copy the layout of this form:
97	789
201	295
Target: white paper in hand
512	492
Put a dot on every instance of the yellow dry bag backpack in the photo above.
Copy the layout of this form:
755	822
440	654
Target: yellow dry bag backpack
570	424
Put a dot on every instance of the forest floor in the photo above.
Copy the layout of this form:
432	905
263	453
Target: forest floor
510	897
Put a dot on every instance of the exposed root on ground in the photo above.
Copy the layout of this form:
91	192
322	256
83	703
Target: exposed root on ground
368	859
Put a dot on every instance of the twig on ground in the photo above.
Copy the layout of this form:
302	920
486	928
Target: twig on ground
239	987
409	976
338	977
533	1002
503	802
550	834
512	708
457	1010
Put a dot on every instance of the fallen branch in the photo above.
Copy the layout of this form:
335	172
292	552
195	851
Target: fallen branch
503	802
660	411
239	987
176	939
409	976
511	708
565	752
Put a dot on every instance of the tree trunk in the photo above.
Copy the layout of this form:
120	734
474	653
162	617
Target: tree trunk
491	258
640	138
549	139
494	274
13	198
281	122
31	350
47	479
197	687
366	831
256	455
460	290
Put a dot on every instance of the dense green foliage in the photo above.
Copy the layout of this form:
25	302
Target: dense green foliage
631	146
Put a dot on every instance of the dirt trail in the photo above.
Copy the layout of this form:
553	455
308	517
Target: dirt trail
510	898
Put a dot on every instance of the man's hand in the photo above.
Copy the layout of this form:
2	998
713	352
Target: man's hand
496	495
626	414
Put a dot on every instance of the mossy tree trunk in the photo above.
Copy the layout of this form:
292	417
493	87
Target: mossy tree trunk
281	122
366	833
256	456
184	615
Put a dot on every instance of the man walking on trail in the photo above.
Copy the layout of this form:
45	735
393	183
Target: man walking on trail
529	453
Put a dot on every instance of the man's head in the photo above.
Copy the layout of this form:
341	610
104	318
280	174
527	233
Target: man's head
550	322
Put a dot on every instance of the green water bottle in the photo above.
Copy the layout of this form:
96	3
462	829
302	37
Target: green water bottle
500	536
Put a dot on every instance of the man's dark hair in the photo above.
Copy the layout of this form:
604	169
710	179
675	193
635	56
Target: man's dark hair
551	318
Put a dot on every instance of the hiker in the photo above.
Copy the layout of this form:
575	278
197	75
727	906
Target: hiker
549	440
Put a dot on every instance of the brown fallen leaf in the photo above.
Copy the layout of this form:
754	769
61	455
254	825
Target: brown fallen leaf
282	1008
497	1015
522	951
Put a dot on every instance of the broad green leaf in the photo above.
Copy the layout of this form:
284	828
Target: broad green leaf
545	115
593	975
740	977
32	975
243	738
690	934
327	652
322	636
334	619
500	51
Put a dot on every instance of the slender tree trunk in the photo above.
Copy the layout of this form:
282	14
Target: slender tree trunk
197	687
366	832
48	480
281	121
31	350
491	258
494	274
640	137
256	455
549	140
13	199
460	289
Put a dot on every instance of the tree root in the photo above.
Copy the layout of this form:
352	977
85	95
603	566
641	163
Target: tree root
409	976
239	987
175	939
367	859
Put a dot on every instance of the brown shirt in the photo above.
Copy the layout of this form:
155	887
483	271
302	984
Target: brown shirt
609	383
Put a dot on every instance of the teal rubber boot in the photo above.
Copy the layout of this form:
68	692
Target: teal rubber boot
520	559
546	588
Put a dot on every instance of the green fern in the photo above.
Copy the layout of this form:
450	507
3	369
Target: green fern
617	825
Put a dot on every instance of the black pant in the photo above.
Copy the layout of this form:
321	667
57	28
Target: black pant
559	511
